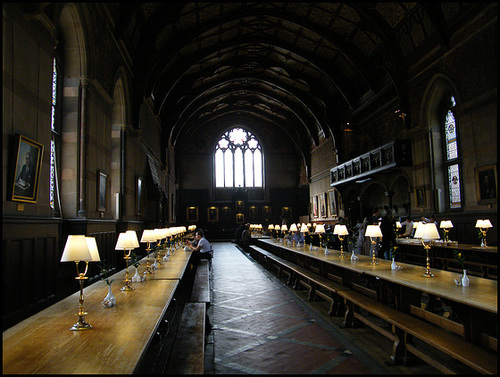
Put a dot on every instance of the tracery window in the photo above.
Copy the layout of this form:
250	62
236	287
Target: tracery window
452	156
238	160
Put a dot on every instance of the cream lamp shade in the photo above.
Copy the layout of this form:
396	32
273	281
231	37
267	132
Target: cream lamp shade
340	230
124	242
398	224
284	227
270	227
304	228
148	236
483	224
276	227
158	234
293	228
320	228
76	249
94	252
427	231
133	236
445	224
373	231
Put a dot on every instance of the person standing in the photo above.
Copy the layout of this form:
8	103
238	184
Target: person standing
388	229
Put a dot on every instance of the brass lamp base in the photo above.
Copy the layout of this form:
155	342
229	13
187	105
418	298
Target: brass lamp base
428	273
81	324
342	255
374	261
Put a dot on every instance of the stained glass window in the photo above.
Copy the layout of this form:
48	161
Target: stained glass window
238	160
452	156
52	184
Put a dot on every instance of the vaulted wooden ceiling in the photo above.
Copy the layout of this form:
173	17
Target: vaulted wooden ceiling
307	68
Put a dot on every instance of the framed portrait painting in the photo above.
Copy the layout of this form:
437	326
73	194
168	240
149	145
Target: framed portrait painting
213	214
26	170
486	184
102	181
192	214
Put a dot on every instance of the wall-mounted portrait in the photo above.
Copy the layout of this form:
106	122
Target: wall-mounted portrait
102	182
486	184
240	218
420	197
286	213
266	213
253	213
225	213
26	170
240	206
315	206
322	206
332	203
213	214
192	214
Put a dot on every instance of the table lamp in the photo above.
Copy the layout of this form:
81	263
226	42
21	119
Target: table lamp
293	229
148	236
320	229
373	231
284	230
446	225
483	226
341	231
78	249
427	232
304	229
125	243
168	233
398	229
277	230
159	235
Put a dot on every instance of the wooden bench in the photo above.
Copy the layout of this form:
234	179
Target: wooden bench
201	284
301	276
188	353
405	326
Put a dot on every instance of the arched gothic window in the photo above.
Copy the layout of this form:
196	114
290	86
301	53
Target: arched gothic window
238	160
452	155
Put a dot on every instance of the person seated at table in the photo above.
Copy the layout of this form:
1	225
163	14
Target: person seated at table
202	250
246	238
407	225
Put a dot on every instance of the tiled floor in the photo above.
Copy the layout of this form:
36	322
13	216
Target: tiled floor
261	326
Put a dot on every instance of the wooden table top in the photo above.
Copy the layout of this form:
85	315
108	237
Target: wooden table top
43	343
482	293
173	269
444	245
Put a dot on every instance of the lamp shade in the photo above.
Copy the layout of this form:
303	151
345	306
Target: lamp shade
340	230
133	236
398	224
427	231
276	227
320	228
445	224
284	227
304	228
293	228
373	231
94	252
483	224
124	242
270	227
76	249
148	236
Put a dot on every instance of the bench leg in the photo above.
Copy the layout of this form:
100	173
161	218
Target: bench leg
312	291
349	314
398	347
337	307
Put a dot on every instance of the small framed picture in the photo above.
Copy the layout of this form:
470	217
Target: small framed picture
213	214
192	214
286	213
226	213
420	196
253	213
240	206
102	181
266	213
240	218
486	184
26	171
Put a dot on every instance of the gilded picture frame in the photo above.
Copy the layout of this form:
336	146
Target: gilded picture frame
26	170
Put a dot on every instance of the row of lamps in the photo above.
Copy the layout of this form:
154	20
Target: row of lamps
79	248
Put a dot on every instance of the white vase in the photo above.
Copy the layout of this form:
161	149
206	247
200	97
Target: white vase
465	279
394	266
110	299
136	278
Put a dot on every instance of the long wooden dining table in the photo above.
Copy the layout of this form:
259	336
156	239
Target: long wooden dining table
476	304
120	335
